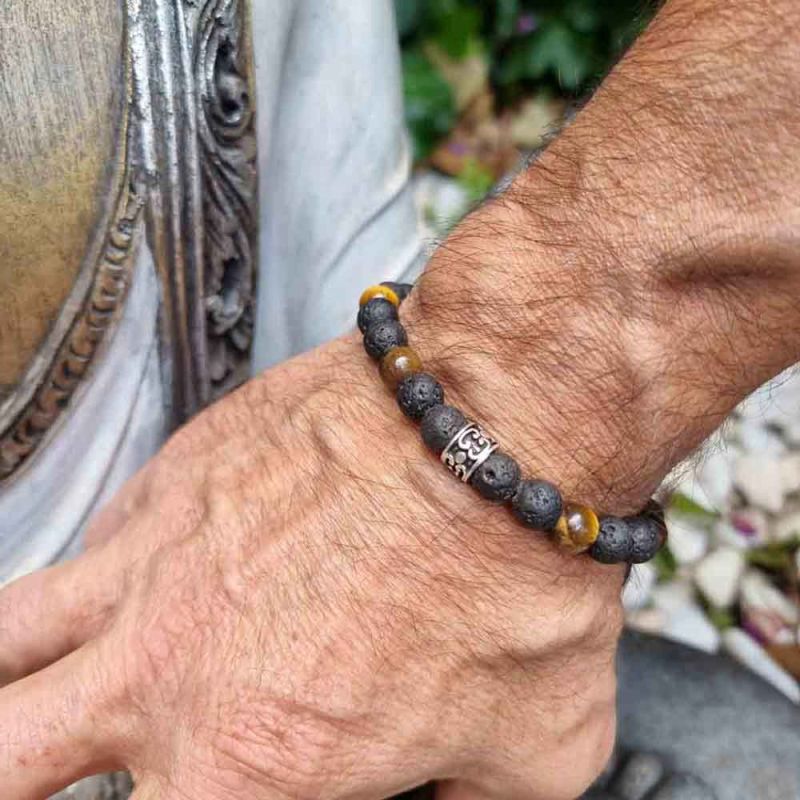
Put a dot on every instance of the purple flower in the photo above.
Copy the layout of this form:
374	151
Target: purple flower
750	627
743	525
527	23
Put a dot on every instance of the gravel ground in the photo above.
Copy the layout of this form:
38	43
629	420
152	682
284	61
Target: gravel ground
730	578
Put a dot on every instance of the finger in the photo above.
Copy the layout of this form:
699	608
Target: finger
50	613
56	727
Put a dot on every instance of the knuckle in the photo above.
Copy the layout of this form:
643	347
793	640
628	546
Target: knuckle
90	615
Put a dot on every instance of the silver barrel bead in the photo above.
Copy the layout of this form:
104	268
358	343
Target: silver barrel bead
467	450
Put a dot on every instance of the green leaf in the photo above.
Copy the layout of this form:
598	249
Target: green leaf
555	51
720	618
683	504
514	67
441	10
584	15
665	564
430	107
574	42
459	31
776	556
564	54
476	180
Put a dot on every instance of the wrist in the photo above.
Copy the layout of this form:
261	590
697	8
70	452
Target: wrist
530	339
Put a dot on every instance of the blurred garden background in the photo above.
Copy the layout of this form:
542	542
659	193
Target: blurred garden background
485	82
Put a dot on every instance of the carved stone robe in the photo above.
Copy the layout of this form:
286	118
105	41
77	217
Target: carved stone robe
188	188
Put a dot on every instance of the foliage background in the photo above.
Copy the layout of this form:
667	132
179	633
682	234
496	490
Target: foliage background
520	49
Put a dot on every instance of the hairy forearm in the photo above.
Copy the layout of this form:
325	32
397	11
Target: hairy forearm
607	312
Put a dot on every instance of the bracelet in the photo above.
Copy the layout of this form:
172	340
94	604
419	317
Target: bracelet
474	457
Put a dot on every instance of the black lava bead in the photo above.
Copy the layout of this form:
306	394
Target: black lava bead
440	425
647	536
614	542
381	337
497	478
417	393
538	504
379	309
402	290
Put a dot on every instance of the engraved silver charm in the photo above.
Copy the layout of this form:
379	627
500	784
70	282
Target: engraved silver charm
467	450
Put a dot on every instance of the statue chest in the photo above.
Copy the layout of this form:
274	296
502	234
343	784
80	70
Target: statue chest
124	124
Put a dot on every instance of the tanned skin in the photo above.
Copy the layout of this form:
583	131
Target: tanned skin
294	600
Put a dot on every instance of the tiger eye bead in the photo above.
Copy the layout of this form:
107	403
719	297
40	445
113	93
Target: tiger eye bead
379	291
578	528
399	363
402	290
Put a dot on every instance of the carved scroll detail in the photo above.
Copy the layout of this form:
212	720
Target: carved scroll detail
227	152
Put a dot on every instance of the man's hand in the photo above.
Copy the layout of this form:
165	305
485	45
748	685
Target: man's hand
300	602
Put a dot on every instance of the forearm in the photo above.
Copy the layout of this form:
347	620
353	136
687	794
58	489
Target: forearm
606	313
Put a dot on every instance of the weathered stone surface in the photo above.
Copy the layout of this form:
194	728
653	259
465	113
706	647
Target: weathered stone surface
707	716
683	787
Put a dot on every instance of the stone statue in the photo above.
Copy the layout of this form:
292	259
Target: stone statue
129	214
